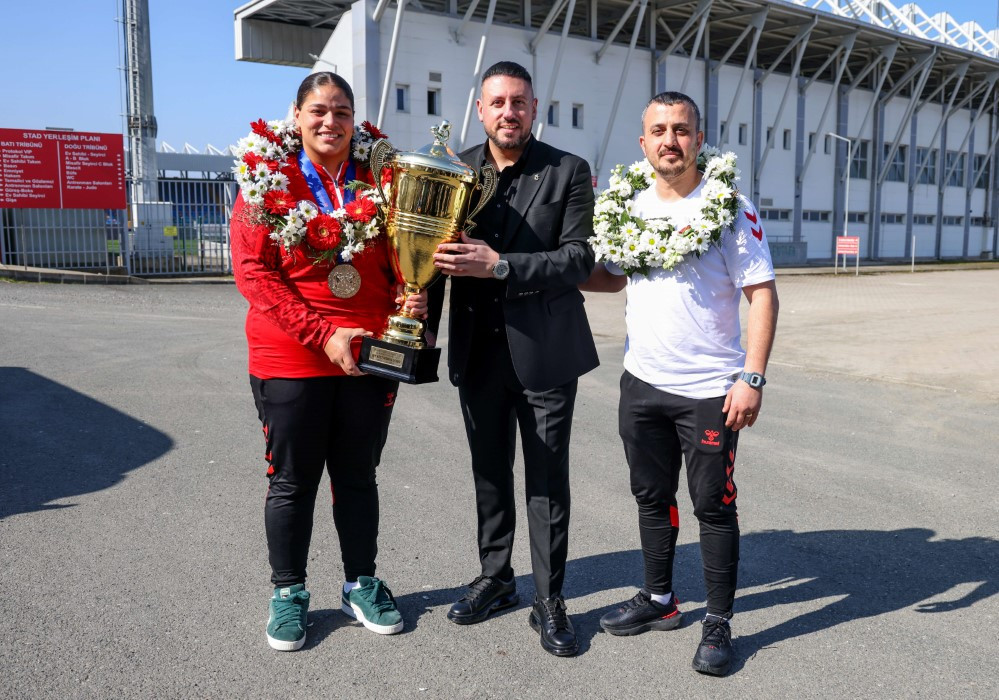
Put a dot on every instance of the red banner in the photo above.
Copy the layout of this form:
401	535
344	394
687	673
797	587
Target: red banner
61	170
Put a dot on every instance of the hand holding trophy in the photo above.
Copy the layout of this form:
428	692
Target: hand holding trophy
427	204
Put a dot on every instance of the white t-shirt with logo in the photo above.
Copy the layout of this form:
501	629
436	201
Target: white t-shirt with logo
683	324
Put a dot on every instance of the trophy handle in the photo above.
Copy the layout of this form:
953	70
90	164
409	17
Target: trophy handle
488	180
381	150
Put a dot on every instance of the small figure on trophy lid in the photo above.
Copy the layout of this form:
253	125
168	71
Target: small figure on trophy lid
441	132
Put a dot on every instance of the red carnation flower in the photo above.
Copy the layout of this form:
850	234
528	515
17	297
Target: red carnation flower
375	132
260	128
362	210
386	176
323	232
252	160
279	202
273	165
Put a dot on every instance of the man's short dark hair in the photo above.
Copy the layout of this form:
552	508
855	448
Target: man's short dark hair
510	70
668	99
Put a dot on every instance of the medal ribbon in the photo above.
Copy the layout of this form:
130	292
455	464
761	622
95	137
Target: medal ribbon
315	183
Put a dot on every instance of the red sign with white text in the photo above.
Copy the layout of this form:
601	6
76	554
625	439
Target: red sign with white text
61	170
847	245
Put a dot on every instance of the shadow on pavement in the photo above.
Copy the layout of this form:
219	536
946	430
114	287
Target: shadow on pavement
57	443
867	573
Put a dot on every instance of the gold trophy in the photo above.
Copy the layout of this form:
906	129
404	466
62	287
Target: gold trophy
427	204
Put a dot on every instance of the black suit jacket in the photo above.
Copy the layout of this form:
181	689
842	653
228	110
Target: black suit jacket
550	219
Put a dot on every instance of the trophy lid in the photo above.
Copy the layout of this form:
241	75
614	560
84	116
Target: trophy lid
438	156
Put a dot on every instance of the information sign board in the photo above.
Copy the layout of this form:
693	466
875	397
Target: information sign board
42	169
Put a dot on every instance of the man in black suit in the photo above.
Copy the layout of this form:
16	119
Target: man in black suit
518	341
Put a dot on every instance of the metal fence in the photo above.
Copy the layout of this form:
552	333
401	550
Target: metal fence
186	232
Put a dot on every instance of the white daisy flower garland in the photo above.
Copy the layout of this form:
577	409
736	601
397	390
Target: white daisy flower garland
638	245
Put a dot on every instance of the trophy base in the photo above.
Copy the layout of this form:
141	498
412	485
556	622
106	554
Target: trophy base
409	365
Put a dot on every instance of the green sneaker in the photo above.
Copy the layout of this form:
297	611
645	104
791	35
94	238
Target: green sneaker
372	604
289	611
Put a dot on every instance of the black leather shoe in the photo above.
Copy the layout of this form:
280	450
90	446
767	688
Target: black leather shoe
485	595
641	614
548	617
714	653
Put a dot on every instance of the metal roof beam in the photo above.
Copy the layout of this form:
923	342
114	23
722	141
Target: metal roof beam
477	72
558	64
791	83
988	83
703	6
803	35
758	23
957	74
914	99
845	48
620	86
617	29
546	25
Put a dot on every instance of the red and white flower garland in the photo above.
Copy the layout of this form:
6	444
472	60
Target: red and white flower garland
265	162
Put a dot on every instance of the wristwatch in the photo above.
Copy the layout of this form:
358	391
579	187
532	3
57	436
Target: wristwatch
753	379
500	269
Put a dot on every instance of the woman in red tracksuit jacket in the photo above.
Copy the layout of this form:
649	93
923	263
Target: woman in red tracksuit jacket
318	410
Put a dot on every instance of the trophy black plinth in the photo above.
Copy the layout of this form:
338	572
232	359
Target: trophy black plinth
395	361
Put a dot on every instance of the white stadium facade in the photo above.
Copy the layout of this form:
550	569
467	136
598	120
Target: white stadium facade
837	109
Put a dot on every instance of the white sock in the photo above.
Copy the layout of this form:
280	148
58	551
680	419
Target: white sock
349	586
661	599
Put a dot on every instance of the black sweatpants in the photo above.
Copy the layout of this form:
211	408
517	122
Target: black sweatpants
658	429
335	423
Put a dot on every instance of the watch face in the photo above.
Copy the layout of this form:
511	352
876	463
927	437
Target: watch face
501	269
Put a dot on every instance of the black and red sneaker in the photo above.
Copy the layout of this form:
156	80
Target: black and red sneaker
641	614
714	653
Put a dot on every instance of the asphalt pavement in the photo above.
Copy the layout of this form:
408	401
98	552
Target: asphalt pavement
132	557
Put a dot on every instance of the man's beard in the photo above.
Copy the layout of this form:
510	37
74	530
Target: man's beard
669	172
510	143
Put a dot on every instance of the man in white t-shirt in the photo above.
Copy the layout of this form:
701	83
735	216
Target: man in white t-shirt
688	386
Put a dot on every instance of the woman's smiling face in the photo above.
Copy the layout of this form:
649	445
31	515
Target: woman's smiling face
326	120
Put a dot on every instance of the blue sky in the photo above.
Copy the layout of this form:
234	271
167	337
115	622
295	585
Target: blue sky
60	68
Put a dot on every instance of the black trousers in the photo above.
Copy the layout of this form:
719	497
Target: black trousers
658	429
494	403
339	424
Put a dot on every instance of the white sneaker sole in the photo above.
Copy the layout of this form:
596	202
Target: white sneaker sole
355	612
282	645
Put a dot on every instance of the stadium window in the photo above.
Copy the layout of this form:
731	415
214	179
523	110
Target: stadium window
979	221
857	217
813	215
787	139
721	132
982	182
434	101
401	98
552	113
923	219
952	220
577	116
928	176
858	166
892	218
827	145
770	133
896	169
743	129
775	214
956	178
811	140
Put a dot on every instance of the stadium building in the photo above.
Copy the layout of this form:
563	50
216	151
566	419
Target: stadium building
852	116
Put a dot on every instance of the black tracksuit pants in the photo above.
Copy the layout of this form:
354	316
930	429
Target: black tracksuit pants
339	424
658	429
